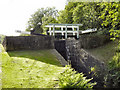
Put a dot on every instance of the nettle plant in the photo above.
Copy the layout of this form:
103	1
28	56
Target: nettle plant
71	79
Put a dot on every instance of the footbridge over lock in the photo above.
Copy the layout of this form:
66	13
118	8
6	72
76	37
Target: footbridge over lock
67	30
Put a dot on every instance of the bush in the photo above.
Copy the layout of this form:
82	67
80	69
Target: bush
112	79
71	79
115	63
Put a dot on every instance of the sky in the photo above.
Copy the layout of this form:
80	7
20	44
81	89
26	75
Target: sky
14	14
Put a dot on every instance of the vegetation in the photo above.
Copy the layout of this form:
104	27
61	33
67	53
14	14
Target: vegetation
101	15
1	38
25	68
0	68
30	69
38	69
111	19
71	79
105	52
106	18
81	12
113	77
40	18
110	15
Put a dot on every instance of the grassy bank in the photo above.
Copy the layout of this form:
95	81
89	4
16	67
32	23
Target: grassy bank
30	69
105	52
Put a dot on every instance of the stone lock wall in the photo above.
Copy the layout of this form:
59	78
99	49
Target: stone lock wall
28	42
60	46
93	41
82	61
72	50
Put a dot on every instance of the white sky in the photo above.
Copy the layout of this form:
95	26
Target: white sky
14	14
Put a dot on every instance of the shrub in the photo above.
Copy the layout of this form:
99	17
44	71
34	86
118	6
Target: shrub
112	79
71	79
115	62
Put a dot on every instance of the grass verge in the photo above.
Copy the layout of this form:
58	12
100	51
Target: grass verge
30	69
105	52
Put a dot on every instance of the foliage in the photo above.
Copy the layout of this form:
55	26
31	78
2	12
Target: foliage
86	13
65	16
115	34
42	17
101	15
71	79
112	79
110	16
115	63
1	38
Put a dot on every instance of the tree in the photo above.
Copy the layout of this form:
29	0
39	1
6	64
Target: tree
111	21
40	18
86	13
110	16
65	16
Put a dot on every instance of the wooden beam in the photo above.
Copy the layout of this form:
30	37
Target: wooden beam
78	32
50	30
73	31
53	29
59	31
60	26
67	24
62	31
66	32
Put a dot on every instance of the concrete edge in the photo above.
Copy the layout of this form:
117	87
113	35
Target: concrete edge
59	57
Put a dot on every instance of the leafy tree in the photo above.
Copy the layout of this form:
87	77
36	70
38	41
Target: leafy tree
86	13
36	20
65	16
62	18
78	14
110	16
40	18
111	21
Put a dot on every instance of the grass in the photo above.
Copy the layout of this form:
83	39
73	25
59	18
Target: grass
30	69
44	56
0	68
40	69
105	52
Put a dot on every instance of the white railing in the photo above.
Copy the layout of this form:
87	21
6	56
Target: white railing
63	29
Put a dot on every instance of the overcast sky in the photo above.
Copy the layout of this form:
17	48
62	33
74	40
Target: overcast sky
14	14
